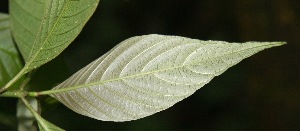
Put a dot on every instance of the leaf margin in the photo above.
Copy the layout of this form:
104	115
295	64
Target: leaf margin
56	90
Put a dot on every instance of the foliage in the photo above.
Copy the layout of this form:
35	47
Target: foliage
139	77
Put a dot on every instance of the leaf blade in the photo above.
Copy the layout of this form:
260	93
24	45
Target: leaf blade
147	74
50	31
43	45
10	62
25	23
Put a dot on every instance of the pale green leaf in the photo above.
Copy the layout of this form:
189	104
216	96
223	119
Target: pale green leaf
147	74
10	61
43	124
44	28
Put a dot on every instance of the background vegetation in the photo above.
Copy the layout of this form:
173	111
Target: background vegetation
260	93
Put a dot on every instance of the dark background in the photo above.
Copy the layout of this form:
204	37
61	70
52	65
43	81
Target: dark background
260	93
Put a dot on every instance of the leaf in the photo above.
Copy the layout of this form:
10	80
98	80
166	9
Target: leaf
44	28
26	19
147	74
43	124
58	25
10	62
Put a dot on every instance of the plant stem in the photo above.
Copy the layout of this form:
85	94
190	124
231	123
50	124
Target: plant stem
35	114
47	92
34	94
12	81
17	94
26	81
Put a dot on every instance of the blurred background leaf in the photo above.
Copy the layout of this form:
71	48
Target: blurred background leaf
26	120
10	60
261	93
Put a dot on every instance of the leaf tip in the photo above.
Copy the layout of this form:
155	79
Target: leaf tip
283	43
274	44
280	43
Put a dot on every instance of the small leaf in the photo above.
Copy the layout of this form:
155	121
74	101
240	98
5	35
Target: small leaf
147	74
10	62
43	124
44	28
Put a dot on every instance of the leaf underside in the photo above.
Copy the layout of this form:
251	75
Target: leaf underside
43	29
147	74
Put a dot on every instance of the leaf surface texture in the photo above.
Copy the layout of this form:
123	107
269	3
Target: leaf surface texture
147	74
44	28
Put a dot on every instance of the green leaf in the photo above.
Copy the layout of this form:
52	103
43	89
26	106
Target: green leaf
26	19
43	36
147	74
43	124
43	29
10	61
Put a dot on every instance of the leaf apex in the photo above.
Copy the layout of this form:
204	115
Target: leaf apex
279	43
